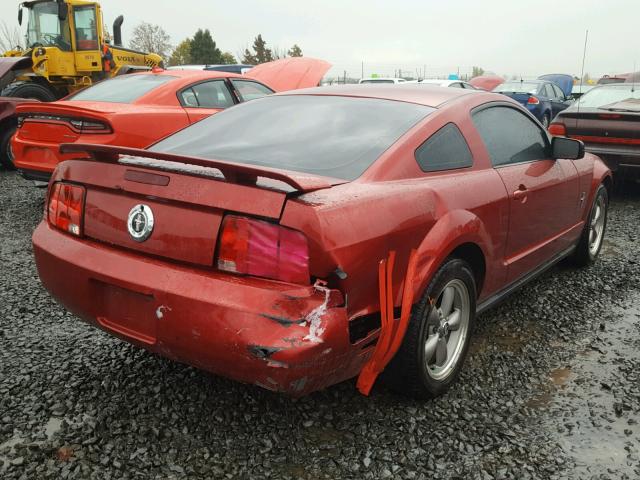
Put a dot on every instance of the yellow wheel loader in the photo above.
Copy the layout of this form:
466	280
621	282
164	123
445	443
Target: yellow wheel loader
67	49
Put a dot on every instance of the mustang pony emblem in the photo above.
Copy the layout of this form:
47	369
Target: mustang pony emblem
140	222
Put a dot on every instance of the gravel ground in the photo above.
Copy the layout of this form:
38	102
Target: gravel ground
551	389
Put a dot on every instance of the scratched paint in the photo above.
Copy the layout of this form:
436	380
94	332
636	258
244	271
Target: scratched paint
160	311
314	318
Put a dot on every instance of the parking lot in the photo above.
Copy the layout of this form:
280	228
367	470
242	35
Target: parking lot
551	389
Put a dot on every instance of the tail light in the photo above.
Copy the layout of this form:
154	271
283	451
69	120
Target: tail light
262	249
533	100
79	125
66	207
558	129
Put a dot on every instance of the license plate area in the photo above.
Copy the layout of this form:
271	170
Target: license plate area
126	312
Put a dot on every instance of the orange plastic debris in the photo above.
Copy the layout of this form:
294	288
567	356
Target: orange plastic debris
392	331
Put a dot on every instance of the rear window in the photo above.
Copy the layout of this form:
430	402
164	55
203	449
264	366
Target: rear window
125	89
338	137
602	96
517	87
376	81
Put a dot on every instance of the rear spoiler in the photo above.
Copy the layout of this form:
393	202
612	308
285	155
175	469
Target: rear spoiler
231	170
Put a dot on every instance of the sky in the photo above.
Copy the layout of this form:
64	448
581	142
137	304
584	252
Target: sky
510	37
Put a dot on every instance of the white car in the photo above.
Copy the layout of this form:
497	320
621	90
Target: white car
446	83
382	80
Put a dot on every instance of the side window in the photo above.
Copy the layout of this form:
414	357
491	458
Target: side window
214	94
85	25
456	85
444	150
510	136
250	90
559	94
549	93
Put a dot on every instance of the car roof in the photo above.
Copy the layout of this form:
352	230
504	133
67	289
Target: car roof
189	74
429	95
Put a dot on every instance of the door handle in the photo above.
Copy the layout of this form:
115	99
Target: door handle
521	193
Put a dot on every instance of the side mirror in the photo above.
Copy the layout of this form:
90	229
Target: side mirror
568	148
20	15
62	11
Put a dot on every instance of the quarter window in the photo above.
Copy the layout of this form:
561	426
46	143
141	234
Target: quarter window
207	95
250	90
510	136
444	150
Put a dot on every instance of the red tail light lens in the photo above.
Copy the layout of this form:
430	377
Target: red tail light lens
558	129
533	100
66	207
262	249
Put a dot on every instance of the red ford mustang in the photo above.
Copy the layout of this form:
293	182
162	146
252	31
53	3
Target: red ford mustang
139	109
276	242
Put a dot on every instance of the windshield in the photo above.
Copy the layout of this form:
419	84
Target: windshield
337	137
45	28
517	87
601	96
126	89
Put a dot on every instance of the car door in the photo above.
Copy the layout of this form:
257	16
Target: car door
205	98
543	192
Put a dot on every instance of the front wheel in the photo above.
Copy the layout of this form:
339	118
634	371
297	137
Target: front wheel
592	236
437	338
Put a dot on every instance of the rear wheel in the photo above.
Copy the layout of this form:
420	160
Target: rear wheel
6	153
546	120
592	236
437	338
31	90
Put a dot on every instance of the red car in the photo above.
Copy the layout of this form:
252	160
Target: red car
258	243
139	109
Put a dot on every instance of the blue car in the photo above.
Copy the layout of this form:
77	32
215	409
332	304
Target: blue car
543	98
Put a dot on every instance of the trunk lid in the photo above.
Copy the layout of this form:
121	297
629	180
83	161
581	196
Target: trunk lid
188	198
49	122
595	125
521	98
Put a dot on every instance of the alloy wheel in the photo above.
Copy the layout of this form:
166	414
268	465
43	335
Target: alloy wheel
447	330
596	226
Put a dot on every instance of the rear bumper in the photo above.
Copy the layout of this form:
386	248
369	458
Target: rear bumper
31	156
250	330
616	156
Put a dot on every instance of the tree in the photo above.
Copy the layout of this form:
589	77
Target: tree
477	71
295	51
152	39
10	38
228	58
181	55
204	50
260	54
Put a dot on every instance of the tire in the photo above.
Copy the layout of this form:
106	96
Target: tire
6	154
410	372
546	120
31	90
589	246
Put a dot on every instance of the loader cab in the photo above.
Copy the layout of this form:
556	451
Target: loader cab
70	26
48	25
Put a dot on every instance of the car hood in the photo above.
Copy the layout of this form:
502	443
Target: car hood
290	73
564	81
